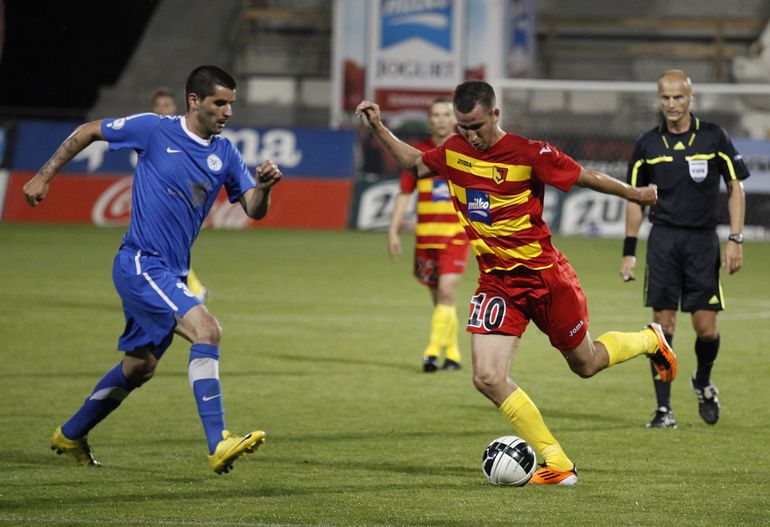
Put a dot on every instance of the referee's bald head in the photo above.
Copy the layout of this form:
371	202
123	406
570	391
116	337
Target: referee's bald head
673	76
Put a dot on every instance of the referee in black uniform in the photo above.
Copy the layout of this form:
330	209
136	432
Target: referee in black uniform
685	158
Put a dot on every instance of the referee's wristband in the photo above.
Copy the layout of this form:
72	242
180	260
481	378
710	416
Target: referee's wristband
629	246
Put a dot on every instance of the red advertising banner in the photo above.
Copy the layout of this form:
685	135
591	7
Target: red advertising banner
392	100
106	201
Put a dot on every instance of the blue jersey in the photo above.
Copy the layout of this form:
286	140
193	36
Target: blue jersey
177	179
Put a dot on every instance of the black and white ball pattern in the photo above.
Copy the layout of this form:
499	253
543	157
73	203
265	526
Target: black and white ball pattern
509	460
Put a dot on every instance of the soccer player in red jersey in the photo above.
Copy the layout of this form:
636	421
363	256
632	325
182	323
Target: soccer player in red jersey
497	180
441	246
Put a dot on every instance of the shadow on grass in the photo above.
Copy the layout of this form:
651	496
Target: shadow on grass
54	496
588	421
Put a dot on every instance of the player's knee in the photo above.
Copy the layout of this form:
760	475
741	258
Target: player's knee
584	370
210	332
487	381
445	296
139	372
213	332
709	335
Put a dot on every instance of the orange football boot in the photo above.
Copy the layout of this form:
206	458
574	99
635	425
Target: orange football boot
546	475
663	358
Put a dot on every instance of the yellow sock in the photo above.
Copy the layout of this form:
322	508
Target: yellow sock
625	346
439	326
526	419
450	338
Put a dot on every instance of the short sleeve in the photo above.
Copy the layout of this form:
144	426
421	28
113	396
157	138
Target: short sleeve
731	162
636	175
551	165
407	183
435	159
130	132
239	180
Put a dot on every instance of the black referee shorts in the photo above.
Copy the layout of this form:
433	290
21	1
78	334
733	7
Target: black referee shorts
683	265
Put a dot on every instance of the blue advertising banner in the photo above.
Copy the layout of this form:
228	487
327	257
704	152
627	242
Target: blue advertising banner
298	152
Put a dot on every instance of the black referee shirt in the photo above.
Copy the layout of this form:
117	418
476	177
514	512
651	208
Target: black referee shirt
686	168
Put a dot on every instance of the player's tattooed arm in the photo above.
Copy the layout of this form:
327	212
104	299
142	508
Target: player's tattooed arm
36	188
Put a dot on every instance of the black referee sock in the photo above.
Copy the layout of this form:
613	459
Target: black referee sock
706	352
662	389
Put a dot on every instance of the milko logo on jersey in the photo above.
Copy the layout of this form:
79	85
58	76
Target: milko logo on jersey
478	206
117	124
440	190
428	20
214	162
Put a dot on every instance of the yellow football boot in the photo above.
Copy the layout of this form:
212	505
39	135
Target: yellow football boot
232	447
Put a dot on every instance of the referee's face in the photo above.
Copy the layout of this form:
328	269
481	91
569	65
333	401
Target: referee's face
674	95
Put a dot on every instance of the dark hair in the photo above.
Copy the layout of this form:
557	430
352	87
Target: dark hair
203	79
470	93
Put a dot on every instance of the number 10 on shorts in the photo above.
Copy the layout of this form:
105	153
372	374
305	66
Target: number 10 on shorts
487	313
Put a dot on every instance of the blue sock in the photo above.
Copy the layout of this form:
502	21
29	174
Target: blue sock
204	379
108	393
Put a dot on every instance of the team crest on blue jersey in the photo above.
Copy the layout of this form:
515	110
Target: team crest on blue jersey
478	206
214	162
440	190
117	124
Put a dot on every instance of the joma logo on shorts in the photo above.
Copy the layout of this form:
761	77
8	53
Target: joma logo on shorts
573	331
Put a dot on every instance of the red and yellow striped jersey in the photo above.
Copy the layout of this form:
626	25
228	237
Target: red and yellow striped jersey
437	222
498	194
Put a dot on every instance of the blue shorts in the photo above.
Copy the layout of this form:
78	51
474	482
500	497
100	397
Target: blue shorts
152	296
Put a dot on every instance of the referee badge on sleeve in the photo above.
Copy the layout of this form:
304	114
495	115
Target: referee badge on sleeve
699	169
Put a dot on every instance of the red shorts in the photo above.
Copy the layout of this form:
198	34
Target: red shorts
429	264
505	302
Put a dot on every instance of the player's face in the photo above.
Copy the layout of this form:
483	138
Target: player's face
674	95
479	126
213	112
164	105
441	118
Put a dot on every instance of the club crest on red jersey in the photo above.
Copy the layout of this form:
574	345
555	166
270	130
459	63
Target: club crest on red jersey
499	174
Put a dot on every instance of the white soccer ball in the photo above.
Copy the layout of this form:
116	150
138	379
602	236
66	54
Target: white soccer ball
509	460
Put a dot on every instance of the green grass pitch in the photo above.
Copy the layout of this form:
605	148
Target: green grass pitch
322	342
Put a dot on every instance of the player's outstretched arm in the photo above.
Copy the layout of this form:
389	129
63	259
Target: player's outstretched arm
256	201
607	184
408	157
36	188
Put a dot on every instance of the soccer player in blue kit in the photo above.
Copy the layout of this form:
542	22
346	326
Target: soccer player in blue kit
183	163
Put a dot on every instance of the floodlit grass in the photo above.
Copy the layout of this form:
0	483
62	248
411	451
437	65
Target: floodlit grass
322	344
